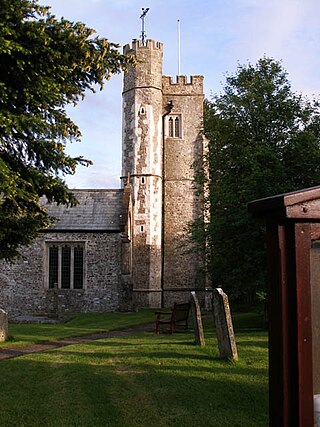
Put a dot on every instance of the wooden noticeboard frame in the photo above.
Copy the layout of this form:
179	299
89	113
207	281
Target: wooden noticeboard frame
292	224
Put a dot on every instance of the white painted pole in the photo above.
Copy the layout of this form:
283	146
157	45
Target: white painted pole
178	47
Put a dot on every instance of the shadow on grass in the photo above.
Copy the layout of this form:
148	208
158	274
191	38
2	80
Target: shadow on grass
129	392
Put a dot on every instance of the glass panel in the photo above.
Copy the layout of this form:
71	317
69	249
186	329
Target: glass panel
53	266
171	126
315	301
177	127
78	268
65	267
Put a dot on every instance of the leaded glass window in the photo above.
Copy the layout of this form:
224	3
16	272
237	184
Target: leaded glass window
66	265
78	268
53	266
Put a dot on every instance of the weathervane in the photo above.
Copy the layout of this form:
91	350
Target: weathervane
143	33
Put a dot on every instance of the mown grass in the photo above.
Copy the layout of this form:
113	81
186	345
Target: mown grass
142	380
79	325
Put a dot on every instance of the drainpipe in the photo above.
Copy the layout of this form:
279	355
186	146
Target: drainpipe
168	108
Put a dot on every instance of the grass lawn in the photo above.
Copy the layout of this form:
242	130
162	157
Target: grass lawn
79	325
142	380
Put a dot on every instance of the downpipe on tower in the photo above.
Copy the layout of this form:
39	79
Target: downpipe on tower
169	108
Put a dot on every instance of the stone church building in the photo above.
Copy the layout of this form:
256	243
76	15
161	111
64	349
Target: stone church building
125	248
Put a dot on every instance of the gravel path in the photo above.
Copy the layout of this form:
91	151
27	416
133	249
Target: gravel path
10	352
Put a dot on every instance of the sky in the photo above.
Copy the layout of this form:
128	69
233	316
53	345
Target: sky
215	37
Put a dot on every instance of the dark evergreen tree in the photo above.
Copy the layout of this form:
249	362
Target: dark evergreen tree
45	64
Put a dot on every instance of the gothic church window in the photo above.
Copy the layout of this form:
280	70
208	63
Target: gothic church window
65	265
171	134
174	126
177	127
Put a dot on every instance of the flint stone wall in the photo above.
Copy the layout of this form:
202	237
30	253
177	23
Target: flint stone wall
23	288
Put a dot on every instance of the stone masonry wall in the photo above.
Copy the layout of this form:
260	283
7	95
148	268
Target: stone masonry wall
182	271
23	284
142	157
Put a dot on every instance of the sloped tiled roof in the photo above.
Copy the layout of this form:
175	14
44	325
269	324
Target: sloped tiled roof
98	210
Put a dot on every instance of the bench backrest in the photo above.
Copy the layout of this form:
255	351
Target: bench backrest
181	311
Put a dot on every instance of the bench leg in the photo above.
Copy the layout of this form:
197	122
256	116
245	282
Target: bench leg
171	327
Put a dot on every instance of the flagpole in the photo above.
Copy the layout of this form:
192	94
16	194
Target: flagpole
178	47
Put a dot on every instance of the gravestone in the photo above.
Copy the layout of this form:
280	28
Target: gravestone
196	319
3	325
224	328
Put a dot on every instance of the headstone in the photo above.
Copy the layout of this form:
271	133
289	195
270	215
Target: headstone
197	320
3	325
224	328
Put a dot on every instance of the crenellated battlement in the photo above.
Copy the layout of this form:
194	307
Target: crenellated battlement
137	44
182	85
182	80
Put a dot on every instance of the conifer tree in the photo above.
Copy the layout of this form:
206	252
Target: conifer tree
45	64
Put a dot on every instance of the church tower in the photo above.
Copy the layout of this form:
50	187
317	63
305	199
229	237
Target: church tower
183	152
162	139
142	158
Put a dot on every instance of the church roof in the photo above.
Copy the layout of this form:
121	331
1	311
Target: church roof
98	210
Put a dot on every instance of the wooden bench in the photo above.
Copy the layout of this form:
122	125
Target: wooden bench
179	314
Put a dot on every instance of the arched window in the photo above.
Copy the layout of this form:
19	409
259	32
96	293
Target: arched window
174	126
171	134
177	127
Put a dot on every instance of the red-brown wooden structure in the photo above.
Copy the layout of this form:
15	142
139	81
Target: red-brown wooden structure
293	243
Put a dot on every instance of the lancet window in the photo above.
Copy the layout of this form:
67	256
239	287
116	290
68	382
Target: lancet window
174	126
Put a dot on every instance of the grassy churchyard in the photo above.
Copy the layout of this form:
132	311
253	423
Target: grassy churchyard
142	379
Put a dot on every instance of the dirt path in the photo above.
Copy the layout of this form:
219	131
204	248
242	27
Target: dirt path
10	352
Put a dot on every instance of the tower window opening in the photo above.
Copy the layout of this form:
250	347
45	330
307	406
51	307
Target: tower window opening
142	111
177	127
174	126
142	180
170	126
141	228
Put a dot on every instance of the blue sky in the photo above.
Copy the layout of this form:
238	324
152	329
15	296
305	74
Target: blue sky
216	35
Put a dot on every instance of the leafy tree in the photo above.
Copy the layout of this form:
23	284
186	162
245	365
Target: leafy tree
264	140
45	64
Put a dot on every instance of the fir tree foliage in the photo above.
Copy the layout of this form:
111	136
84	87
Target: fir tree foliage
264	140
45	64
